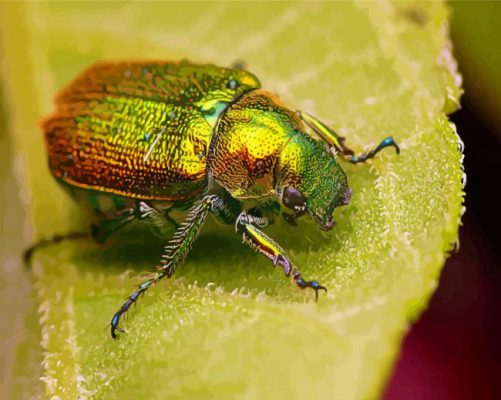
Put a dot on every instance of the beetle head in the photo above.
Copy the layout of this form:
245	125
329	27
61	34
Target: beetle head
309	180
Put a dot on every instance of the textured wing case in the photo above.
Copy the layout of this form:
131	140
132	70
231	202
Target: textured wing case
140	130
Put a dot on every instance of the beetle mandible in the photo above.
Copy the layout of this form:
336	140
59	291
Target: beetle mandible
141	139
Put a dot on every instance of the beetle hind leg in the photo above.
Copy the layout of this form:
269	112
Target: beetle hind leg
105	227
50	240
100	231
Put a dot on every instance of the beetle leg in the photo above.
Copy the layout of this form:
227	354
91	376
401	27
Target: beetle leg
99	232
386	142
227	209
270	210
174	252
170	219
333	139
50	240
106	227
141	211
248	225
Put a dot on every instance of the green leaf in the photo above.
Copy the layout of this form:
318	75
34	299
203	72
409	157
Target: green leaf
229	325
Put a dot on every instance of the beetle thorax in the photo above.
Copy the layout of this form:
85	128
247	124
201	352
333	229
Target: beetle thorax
248	141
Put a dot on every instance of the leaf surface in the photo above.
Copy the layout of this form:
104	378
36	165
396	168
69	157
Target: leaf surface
229	325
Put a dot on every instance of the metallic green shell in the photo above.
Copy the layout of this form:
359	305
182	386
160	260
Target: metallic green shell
140	129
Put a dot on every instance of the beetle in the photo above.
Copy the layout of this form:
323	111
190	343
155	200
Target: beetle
139	140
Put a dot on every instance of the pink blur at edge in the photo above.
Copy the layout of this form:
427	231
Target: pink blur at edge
453	351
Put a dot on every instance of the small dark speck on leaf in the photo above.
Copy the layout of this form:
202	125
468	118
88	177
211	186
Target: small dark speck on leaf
239	64
415	15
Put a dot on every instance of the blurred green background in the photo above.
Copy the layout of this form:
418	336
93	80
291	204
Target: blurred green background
315	56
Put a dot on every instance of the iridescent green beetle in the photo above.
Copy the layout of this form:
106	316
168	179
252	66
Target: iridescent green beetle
141	139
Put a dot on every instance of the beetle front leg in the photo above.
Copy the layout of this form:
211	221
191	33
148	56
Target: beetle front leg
331	137
248	225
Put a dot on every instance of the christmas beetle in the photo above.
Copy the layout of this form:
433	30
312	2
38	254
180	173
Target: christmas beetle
138	140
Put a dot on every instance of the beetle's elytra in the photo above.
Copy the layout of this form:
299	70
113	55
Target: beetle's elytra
140	139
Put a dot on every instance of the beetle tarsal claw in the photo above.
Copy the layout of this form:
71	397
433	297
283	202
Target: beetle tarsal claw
317	289
302	284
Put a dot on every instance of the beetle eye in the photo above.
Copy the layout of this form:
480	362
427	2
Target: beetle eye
232	84
293	198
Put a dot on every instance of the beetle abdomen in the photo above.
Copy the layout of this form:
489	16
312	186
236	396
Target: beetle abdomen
139	129
130	147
